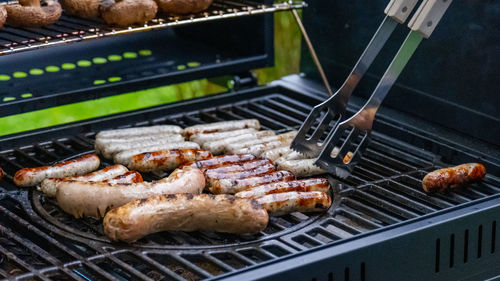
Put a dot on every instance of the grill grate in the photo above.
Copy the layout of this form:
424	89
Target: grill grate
38	240
73	29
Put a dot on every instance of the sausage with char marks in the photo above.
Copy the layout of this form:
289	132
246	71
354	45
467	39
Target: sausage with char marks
49	186
125	157
279	204
305	185
211	137
231	186
166	159
223	160
185	212
77	167
140	131
220	146
94	199
110	149
301	168
453	177
101	143
222	127
228	170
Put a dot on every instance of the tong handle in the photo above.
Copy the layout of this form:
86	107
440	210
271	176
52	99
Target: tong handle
399	10
428	15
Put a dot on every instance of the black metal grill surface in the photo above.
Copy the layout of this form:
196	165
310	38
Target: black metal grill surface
38	241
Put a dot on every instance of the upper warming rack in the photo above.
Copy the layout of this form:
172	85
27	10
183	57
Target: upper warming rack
73	29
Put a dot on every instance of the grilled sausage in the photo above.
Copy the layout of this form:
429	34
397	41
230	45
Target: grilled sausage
230	186
279	204
241	174
454	177
110	149
301	168
166	159
204	138
261	148
101	143
128	177
49	186
94	199
220	146
222	127
34	176
139	131
277	152
125	157
227	171
285	138
305	185
223	160
184	212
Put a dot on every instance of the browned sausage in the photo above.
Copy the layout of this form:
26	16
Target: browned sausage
223	160
221	172
128	177
231	186
49	186
185	212
76	167
213	180
458	176
166	159
279	204
305	185
94	199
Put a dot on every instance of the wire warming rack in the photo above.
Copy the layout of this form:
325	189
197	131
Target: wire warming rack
73	29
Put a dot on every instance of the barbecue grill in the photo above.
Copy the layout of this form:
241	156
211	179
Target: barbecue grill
381	226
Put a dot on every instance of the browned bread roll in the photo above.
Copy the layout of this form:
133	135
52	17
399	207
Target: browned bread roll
127	12
30	13
81	8
183	6
3	16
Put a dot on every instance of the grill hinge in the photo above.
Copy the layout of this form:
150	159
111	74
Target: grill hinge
243	80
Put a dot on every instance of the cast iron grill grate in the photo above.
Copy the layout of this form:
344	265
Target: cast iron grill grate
39	241
73	29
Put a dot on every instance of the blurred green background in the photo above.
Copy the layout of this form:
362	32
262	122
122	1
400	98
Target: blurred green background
287	58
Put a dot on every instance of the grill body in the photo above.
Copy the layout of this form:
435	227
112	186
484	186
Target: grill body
381	226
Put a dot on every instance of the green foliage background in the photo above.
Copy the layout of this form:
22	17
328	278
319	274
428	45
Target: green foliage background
287	57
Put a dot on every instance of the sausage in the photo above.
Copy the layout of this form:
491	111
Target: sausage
140	131
277	152
94	199
301	168
77	167
101	143
204	138
185	212
110	149
49	186
223	160
453	177
220	146
231	186
286	138
260	148
166	159
128	177
305	185
222	127
240	174
215	186
220	172
279	204
125	157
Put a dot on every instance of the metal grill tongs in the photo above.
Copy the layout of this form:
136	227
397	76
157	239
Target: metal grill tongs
346	141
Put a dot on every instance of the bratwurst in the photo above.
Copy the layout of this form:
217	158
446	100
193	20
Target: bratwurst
222	127
94	199
77	167
185	212
231	186
305	185
458	176
126	156
204	138
140	131
223	160
166	159
49	186
279	204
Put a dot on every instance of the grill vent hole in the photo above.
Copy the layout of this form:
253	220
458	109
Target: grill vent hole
438	247
466	245
452	250
479	241
493	235
363	271
346	274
